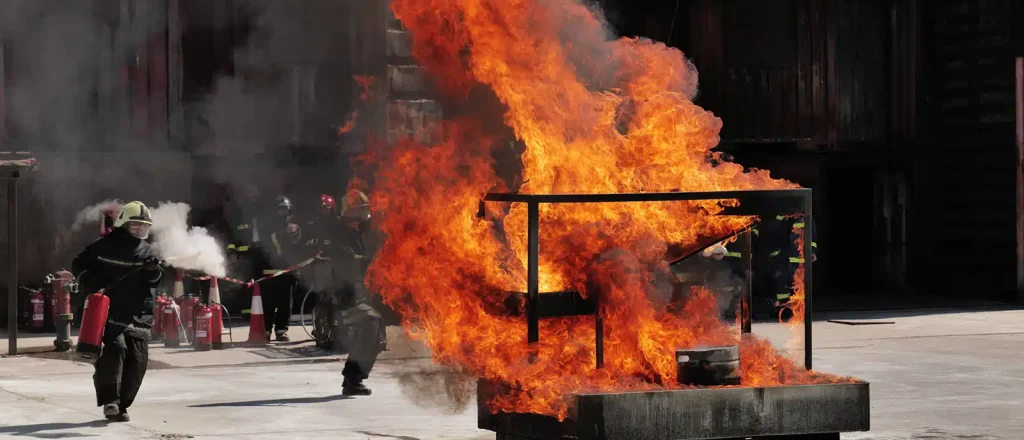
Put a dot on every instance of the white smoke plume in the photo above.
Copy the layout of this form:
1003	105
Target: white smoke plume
190	248
91	214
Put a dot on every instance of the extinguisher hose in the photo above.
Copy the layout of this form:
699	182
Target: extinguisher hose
231	334
302	313
181	325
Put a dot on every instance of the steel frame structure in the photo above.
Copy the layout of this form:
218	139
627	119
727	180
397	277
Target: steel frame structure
762	202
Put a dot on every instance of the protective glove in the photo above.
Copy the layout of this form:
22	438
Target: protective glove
294	232
151	264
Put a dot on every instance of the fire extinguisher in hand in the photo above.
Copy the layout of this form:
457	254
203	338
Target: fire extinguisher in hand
94	320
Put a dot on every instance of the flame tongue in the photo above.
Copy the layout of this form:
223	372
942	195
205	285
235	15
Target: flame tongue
596	116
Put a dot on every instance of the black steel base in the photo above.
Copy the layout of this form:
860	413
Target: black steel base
807	412
829	436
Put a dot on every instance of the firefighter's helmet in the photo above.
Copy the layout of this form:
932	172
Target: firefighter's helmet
327	202
355	204
284	206
133	212
283	202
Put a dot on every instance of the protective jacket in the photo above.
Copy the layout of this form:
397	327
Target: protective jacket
245	226
344	260
104	262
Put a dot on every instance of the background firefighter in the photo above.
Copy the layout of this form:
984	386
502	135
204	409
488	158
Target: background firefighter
123	263
284	252
323	236
785	259
243	215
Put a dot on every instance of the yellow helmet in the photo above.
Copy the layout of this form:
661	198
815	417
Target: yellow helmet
133	212
356	204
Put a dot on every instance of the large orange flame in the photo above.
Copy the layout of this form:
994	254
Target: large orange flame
596	116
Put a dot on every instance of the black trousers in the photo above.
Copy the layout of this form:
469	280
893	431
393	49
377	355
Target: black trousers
277	302
362	327
120	367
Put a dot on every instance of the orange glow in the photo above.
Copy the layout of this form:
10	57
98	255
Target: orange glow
596	116
349	125
366	81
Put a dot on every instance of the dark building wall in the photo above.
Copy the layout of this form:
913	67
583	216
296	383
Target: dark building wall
802	71
898	113
966	186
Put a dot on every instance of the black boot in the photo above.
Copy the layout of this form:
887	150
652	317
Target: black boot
354	388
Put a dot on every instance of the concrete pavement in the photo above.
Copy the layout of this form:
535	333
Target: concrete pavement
933	375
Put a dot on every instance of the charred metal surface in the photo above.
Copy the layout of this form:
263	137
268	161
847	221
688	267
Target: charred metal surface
708	366
552	304
748	196
699	413
529	426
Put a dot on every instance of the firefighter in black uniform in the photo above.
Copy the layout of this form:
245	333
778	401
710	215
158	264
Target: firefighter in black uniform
243	245
319	233
283	252
362	323
123	263
785	260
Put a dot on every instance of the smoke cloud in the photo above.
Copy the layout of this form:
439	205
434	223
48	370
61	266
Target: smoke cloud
447	389
91	214
190	248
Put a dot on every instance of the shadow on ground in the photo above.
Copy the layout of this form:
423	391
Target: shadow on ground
39	430
44	353
378	435
274	402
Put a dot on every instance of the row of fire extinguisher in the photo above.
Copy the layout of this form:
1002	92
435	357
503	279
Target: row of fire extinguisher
186	317
42	314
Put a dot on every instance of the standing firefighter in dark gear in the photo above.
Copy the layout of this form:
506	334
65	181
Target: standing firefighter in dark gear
362	323
284	251
243	237
786	259
323	235
122	263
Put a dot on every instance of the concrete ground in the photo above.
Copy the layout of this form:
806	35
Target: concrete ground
934	375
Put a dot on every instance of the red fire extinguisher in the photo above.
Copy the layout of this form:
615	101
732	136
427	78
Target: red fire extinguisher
188	306
158	317
94	320
37	311
107	220
170	323
203	328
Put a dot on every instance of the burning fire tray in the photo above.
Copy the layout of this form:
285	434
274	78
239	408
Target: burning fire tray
797	411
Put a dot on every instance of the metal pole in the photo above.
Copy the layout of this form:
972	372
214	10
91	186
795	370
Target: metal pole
808	256
532	281
599	335
1020	175
746	299
12	265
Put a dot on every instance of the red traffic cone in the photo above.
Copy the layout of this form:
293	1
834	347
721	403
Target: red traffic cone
217	321
179	286
257	330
